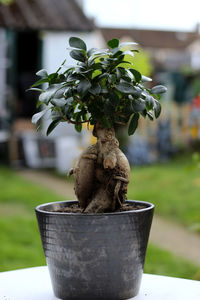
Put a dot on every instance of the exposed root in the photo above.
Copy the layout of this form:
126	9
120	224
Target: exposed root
100	203
121	179
116	192
110	161
102	174
70	172
84	176
90	156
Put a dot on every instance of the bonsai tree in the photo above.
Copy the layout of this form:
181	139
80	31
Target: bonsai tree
102	89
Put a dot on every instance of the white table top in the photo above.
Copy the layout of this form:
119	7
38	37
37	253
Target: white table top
34	284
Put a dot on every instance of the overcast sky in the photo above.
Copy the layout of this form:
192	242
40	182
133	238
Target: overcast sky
157	14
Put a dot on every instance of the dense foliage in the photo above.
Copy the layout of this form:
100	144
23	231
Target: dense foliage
102	86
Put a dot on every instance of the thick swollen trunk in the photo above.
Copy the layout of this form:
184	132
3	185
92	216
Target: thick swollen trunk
102	174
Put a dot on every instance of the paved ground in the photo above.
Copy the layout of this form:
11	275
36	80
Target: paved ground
166	234
176	238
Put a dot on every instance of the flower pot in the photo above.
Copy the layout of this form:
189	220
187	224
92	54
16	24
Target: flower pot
95	256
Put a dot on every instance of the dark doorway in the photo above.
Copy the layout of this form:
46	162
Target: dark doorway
28	53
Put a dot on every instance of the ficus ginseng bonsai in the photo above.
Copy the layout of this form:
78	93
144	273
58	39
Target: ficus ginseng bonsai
102	89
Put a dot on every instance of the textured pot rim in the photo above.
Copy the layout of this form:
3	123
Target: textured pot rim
40	209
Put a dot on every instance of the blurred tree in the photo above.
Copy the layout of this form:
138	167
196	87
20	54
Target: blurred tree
6	2
142	63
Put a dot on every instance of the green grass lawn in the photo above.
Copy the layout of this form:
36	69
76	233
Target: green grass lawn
174	188
20	245
161	262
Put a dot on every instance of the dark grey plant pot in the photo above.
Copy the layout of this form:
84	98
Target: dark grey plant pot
95	256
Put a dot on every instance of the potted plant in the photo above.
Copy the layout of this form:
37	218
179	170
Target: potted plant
95	247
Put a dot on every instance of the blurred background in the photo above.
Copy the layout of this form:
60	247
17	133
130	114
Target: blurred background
164	155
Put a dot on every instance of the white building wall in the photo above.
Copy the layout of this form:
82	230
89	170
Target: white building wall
194	50
55	47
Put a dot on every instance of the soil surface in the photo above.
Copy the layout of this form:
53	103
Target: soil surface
75	208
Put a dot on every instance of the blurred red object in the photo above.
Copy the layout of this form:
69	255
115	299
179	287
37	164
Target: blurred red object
195	102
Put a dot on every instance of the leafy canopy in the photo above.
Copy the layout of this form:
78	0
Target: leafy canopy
103	86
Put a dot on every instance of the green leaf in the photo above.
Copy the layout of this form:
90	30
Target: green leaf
116	52
133	124
64	61
137	92
74	77
114	43
67	92
76	42
150	115
96	66
36	117
158	89
105	122
38	104
41	81
95	89
78	127
146	79
157	109
149	102
127	44
104	90
136	74
102	76
115	99
35	89
109	107
52	126
97	56
77	55
70	100
112	78
59	102
138	105
128	52
50	93
127	78
42	73
124	64
53	78
96	73
83	87
38	127
128	109
91	51
125	87
118	73
55	114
